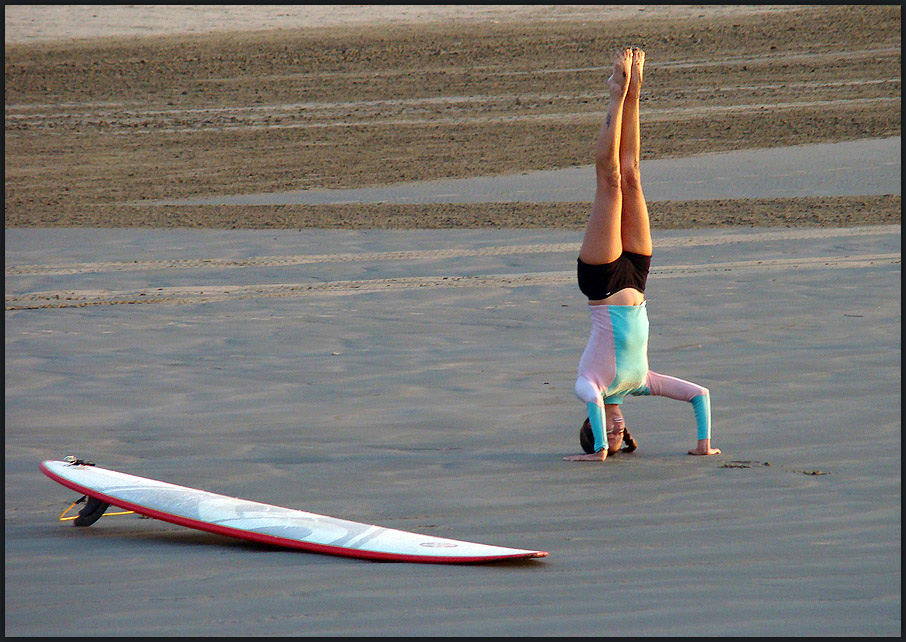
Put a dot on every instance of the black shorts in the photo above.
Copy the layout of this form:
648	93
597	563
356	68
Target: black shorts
601	281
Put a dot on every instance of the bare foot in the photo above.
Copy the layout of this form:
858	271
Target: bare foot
704	448
601	455
618	82
636	73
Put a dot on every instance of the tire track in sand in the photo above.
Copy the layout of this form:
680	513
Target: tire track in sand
444	253
208	294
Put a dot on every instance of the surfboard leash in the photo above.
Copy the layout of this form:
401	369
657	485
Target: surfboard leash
94	509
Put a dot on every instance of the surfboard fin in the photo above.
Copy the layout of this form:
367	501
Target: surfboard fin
94	509
92	512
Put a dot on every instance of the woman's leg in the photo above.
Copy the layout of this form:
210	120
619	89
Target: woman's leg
635	230
602	243
698	396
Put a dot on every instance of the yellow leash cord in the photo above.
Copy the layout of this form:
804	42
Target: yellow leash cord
64	518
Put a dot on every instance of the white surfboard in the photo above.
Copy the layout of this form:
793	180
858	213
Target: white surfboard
269	524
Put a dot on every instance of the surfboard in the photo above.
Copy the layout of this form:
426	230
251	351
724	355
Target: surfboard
268	524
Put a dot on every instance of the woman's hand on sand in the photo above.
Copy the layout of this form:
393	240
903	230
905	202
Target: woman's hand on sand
601	455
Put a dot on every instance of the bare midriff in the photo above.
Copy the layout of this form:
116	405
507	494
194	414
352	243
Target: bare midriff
626	296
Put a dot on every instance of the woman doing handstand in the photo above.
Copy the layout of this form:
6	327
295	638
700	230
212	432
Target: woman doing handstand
613	268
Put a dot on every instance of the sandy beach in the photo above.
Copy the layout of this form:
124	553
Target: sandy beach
427	386
60	23
94	124
412	365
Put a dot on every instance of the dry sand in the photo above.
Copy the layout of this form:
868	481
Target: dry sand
422	378
48	23
92	124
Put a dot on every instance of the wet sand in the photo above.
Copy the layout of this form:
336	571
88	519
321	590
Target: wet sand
427	385
413	365
853	168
